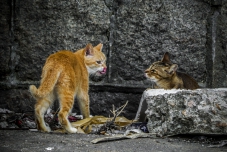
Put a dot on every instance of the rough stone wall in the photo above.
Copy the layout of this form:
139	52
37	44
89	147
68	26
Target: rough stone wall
5	40
216	45
135	33
44	27
145	30
220	64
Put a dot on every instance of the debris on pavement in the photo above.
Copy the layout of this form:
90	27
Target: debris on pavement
120	137
26	120
219	144
5	111
116	127
49	148
111	124
12	120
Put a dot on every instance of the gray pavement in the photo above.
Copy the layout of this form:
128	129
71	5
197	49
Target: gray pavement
27	141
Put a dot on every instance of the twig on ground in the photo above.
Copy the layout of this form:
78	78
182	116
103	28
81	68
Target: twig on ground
110	125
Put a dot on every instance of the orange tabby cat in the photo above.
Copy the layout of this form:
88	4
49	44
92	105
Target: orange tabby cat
65	75
163	73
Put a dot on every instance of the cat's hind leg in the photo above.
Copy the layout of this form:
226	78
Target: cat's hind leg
41	107
66	100
84	103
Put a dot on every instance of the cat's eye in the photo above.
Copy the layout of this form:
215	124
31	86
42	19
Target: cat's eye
99	62
153	71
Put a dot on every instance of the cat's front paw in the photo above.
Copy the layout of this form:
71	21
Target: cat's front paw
72	130
46	129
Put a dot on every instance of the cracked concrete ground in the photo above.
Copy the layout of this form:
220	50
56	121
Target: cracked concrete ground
27	141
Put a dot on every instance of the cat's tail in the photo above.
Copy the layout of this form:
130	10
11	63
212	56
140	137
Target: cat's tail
49	79
33	90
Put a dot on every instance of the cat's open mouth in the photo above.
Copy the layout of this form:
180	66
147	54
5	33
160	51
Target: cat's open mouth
103	71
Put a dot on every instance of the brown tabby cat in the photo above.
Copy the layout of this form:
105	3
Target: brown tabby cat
64	76
163	73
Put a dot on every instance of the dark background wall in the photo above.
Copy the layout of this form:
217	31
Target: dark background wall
135	33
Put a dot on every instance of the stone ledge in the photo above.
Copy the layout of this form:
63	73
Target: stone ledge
171	112
94	87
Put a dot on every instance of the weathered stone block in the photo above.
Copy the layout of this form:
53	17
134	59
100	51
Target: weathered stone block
171	112
44	27
144	30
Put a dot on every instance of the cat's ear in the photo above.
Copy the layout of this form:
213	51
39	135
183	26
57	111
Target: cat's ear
99	46
166	58
173	68
88	50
